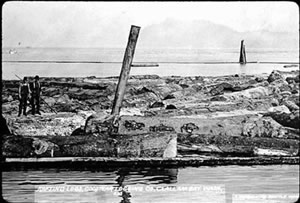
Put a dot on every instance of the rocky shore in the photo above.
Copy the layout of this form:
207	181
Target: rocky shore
237	115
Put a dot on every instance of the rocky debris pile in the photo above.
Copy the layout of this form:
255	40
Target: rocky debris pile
246	114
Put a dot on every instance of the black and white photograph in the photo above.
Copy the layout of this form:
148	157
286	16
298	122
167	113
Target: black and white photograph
150	102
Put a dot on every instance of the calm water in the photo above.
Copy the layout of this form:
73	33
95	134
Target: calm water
273	183
182	62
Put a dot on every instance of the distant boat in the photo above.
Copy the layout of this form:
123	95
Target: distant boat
12	51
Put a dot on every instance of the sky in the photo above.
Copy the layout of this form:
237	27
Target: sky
42	24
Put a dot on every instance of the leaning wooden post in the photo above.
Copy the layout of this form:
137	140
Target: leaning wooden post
242	53
126	66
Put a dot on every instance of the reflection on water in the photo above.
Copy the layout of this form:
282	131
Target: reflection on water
191	184
158	175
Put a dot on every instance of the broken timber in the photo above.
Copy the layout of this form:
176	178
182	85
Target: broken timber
124	75
242	53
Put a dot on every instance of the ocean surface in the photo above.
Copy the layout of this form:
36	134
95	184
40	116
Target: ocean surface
272	183
103	62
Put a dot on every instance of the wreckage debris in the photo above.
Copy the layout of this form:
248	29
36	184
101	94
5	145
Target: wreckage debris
249	117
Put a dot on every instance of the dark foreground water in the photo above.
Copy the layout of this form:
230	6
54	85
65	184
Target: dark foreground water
273	183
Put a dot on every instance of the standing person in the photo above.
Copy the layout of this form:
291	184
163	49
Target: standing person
24	92
35	95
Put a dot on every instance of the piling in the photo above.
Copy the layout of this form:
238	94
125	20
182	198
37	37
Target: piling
242	53
126	66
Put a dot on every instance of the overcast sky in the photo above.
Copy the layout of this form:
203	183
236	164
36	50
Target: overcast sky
73	23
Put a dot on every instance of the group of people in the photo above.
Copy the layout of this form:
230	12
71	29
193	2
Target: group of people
29	91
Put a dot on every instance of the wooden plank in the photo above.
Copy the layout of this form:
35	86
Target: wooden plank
124	75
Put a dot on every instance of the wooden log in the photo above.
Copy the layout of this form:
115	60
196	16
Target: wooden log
145	65
124	75
139	145
242	53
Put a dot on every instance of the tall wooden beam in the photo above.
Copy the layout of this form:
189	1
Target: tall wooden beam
242	53
126	66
